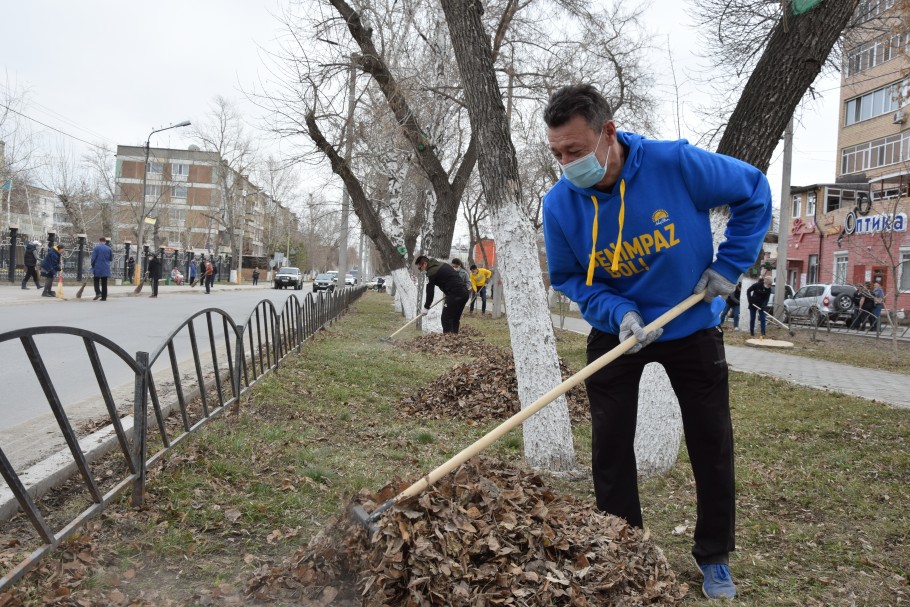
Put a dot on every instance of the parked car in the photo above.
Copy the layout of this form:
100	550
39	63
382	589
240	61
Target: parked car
788	294
821	303
323	282
349	280
289	277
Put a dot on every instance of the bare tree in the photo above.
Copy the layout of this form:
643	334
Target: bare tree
101	162
223	133
547	435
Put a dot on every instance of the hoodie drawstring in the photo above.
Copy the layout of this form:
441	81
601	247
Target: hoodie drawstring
590	279
622	219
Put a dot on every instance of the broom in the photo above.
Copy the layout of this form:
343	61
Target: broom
60	287
81	289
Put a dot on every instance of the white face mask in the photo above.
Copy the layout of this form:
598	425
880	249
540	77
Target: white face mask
587	171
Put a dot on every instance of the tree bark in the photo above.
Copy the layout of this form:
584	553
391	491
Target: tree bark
547	435
789	64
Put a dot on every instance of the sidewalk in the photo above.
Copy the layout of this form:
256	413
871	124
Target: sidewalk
871	384
13	294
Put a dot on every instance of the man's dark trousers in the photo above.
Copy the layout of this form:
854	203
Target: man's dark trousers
697	368
30	273
101	287
451	312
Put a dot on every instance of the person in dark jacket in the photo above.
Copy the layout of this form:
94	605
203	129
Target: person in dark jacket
130	269
732	307
758	295
31	260
450	282
255	276
49	268
154	274
102	257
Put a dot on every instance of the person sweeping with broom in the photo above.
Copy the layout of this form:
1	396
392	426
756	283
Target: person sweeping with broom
628	235
442	275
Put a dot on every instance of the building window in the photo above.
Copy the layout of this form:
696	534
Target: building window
796	209
154	167
837	198
875	103
178	191
873	154
177	216
870	9
810	204
180	168
840	269
904	271
153	190
812	276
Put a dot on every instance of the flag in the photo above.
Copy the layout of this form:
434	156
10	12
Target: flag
803	6
7	186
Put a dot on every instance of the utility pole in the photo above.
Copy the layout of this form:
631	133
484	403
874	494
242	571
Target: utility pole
345	199
780	286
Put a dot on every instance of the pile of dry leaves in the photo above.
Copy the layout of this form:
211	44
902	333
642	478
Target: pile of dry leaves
486	535
481	391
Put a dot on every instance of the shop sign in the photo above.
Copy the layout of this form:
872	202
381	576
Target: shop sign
871	224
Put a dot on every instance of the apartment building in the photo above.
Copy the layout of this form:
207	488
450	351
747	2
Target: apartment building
190	206
855	229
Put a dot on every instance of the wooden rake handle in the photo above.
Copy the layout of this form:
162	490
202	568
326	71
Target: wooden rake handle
407	324
511	423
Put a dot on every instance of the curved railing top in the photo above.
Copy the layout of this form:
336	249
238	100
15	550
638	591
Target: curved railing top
84	333
153	356
256	307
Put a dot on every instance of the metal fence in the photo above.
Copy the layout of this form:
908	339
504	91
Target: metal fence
78	252
240	355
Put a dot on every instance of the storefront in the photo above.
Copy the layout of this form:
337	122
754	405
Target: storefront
851	234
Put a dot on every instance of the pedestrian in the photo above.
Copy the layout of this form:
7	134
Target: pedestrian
757	295
153	273
628	236
208	276
442	275
867	308
732	306
52	263
130	270
255	276
465	275
878	300
192	272
479	278
31	260
102	257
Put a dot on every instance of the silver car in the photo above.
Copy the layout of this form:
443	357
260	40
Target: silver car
821	303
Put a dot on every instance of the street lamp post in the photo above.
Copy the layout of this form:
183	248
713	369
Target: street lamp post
145	172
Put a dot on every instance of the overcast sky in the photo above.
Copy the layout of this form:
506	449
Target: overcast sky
111	71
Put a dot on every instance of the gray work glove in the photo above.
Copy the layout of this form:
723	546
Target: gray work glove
424	312
713	284
632	324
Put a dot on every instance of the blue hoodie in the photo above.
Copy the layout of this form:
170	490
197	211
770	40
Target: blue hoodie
668	189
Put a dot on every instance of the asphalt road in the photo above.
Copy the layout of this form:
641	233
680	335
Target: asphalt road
134	323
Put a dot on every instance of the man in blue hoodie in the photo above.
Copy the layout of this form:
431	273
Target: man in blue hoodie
628	236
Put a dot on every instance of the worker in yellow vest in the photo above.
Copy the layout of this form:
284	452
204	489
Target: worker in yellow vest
479	278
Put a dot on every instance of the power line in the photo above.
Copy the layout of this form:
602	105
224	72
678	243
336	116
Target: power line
94	145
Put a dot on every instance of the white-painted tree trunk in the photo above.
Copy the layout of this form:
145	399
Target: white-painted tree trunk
659	429
547	434
405	293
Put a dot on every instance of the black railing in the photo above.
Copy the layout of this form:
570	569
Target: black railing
239	354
